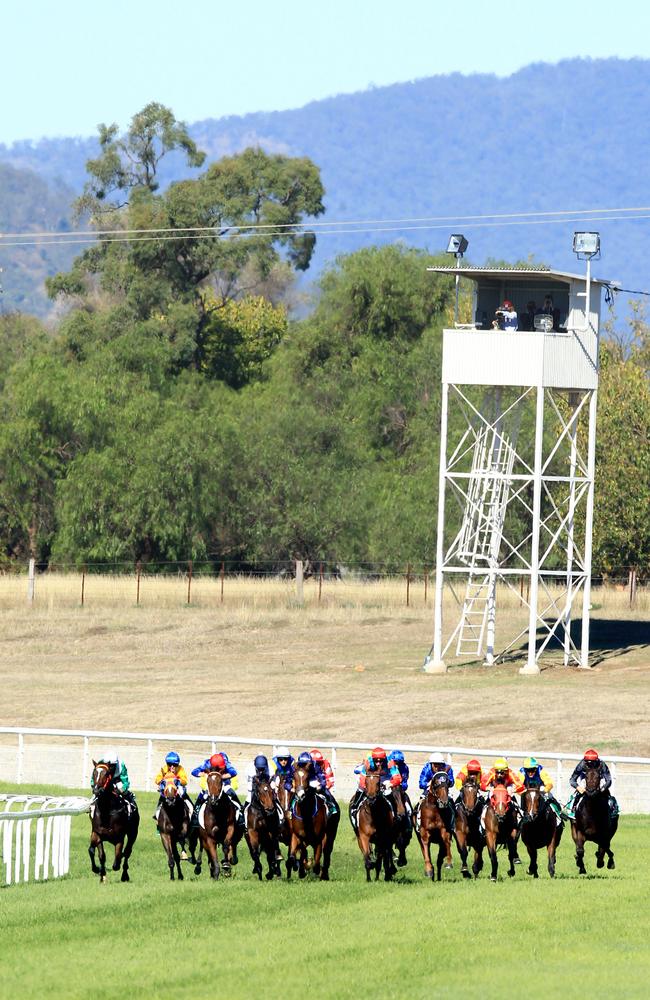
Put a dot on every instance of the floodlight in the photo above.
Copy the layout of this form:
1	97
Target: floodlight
457	244
586	244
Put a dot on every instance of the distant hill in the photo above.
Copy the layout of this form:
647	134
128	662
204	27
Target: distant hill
567	136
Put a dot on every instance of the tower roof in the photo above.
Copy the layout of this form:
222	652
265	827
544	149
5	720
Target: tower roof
499	273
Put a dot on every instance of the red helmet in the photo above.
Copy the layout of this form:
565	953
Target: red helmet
378	753
473	765
591	755
316	755
507	304
216	760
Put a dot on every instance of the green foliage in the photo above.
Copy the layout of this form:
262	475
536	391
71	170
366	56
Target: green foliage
239	336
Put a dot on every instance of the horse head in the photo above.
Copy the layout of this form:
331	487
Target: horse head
500	801
301	779
469	796
102	779
439	788
531	804
171	787
373	784
215	786
592	781
265	795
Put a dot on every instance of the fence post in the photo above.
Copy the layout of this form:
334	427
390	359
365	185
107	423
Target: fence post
83	584
138	568
300	595
632	579
222	574
30	581
189	582
147	778
408	584
320	581
426	584
84	766
19	759
560	777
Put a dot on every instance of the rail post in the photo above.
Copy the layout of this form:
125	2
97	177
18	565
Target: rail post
408	584
222	573
189	581
320	581
426	584
83	583
138	569
19	759
30	581
84	765
300	594
147	777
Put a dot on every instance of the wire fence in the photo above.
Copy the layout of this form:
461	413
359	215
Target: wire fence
290	582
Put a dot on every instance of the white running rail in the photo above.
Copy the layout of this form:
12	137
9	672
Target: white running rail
35	836
66	755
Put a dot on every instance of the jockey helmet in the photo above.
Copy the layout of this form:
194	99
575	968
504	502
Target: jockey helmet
437	757
172	758
507	304
110	756
304	758
397	755
378	753
473	766
592	756
282	752
530	764
261	763
316	755
217	761
501	764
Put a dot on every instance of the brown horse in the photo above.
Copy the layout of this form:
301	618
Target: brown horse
467	833
308	827
539	828
594	821
284	796
501	829
263	828
173	822
113	820
434	822
404	823
218	825
375	829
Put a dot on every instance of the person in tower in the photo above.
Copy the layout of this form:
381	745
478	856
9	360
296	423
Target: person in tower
506	317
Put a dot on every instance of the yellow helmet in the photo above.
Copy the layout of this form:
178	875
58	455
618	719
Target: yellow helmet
501	764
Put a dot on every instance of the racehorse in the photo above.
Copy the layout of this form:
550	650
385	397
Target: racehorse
403	831
263	828
308	827
539	828
173	822
375	829
112	819
218	825
501	829
467	833
433	824
593	821
284	796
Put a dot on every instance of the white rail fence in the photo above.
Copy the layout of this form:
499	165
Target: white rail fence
35	836
66	756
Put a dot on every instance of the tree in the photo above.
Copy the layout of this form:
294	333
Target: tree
240	337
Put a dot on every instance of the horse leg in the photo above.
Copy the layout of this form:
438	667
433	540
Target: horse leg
101	850
579	841
292	864
252	839
532	854
491	844
600	856
94	844
425	844
551	856
176	857
318	854
477	866
461	846
213	857
512	853
610	858
327	854
117	861
389	867
167	846
302	861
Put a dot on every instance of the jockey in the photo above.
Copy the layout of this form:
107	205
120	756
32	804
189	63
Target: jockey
283	772
217	762
258	769
590	761
434	765
501	774
377	760
325	775
119	775
397	757
472	769
172	766
536	776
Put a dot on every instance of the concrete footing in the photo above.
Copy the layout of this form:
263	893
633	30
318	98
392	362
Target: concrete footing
434	666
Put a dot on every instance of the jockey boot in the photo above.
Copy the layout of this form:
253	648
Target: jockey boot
613	808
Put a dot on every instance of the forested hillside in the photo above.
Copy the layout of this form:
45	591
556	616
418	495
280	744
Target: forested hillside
567	136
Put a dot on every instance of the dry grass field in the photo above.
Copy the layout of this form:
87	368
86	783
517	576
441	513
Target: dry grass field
347	668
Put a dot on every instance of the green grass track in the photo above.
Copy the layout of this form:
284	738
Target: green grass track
573	937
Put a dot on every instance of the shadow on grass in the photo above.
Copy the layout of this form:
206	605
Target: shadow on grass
608	638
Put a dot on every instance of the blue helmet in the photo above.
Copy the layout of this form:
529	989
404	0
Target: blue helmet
261	763
172	758
397	755
304	758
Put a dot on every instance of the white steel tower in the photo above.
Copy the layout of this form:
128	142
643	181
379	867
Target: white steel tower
517	453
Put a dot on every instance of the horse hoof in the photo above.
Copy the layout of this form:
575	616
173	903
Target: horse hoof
511	874
102	879
269	877
535	875
610	864
600	863
517	860
449	867
197	869
428	874
125	877
181	877
116	866
465	873
324	877
493	878
184	856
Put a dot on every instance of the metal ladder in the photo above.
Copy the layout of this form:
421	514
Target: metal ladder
482	530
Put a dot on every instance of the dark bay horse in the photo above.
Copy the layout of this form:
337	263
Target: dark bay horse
218	825
375	829
501	829
284	796
404	823
173	822
112	820
594	822
434	822
539	828
468	834
308	827
263	828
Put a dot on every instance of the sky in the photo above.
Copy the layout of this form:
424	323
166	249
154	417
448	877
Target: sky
69	65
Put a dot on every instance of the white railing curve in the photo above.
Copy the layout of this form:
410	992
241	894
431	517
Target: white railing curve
42	851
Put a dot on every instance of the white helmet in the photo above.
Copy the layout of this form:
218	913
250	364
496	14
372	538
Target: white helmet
437	757
110	756
282	752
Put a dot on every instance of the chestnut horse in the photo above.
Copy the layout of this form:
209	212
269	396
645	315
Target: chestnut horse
263	828
501	828
433	825
539	828
594	822
375	829
308	827
218	825
113	820
173	822
467	834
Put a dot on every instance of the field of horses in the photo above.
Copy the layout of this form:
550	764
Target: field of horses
240	938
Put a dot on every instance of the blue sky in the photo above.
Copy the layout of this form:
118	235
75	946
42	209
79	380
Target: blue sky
67	66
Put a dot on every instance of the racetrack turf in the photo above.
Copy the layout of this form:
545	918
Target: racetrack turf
574	936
